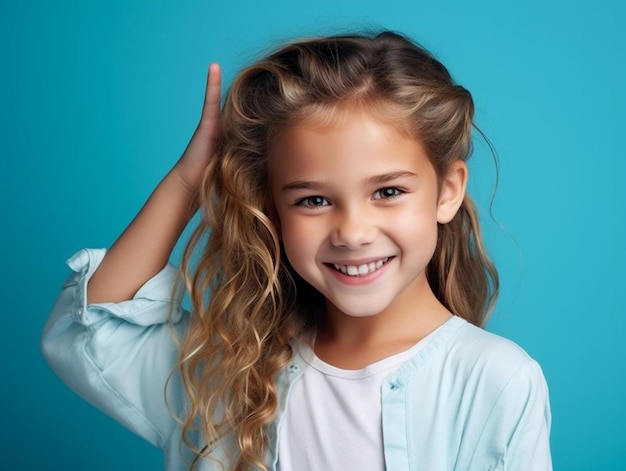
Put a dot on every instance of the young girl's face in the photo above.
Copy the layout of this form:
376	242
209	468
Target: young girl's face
358	204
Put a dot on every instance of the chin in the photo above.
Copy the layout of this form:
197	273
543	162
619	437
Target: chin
360	309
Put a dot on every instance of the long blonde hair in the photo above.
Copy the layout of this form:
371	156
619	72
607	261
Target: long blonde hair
248	304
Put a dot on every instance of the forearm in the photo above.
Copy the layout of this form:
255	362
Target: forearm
144	247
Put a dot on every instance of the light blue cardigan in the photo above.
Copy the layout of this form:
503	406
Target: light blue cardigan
469	400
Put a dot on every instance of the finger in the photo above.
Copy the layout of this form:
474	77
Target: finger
212	94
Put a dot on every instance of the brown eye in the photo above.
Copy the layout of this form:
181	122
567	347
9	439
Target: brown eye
387	193
312	202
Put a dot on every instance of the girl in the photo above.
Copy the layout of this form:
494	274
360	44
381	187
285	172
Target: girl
337	298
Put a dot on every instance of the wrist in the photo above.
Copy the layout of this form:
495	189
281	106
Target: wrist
187	178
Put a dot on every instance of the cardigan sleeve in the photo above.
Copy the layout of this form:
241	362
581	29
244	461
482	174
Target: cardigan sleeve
519	423
119	356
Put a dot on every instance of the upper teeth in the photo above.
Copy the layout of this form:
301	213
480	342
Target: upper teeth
360	270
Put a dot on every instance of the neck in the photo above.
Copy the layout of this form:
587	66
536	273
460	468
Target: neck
354	342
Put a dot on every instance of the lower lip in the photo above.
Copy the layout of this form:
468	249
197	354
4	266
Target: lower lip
359	280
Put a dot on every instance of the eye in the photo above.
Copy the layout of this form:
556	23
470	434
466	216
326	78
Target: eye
387	193
312	202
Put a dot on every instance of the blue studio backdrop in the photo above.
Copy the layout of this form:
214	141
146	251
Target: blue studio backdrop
99	98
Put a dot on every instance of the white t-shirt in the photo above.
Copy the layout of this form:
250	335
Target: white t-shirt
333	419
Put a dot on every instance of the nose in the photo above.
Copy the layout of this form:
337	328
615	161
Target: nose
353	230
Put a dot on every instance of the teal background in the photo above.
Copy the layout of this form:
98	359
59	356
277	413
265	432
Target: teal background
98	99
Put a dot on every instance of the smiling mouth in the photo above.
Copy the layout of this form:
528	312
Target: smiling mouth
360	270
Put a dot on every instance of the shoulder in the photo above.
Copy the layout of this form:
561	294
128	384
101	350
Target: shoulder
508	394
471	354
472	343
481	396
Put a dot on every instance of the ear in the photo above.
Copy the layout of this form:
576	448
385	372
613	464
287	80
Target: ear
452	192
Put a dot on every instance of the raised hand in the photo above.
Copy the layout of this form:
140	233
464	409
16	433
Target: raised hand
194	160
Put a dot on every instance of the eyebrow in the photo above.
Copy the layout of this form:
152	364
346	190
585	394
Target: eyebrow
388	177
373	180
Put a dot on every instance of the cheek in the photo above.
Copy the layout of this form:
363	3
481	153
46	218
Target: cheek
299	240
418	231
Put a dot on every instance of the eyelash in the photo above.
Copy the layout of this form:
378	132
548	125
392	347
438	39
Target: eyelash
378	195
396	192
306	202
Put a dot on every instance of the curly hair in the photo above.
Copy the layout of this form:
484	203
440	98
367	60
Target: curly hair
248	304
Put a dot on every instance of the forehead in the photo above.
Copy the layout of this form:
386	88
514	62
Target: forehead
328	115
349	144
